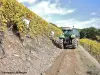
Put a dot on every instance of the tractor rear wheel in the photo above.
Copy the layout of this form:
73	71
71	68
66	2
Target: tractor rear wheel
61	43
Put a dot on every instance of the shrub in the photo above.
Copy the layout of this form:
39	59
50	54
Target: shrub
92	46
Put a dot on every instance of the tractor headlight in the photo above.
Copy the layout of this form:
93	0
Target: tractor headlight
61	36
72	36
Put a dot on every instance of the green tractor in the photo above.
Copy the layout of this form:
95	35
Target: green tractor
70	37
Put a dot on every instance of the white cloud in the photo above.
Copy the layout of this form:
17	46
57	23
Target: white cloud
79	24
28	1
45	7
93	13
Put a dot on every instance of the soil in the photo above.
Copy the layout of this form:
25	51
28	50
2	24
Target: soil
74	62
40	56
31	57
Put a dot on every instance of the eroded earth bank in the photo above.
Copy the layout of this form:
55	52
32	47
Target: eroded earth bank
39	56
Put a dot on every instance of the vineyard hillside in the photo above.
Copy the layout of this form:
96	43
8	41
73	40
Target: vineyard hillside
12	13
93	47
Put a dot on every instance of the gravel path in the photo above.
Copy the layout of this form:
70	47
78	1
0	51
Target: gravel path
74	62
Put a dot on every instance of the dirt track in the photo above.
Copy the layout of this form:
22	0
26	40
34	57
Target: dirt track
70	62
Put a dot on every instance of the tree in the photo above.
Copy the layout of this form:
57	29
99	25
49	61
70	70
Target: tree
90	33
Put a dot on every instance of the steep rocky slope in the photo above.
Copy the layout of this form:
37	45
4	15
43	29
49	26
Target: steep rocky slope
33	56
27	50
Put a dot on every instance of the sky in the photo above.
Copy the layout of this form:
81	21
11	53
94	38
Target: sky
67	13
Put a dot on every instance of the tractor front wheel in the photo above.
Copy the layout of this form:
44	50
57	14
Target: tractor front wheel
74	43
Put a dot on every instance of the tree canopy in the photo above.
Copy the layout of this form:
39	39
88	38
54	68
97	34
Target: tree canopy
90	33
